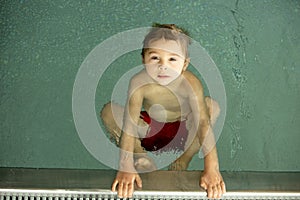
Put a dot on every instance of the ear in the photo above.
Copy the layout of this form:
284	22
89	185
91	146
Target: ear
143	59
186	64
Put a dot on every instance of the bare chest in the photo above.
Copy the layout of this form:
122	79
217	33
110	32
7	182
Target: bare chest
165	104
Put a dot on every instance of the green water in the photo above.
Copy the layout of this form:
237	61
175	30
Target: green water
255	45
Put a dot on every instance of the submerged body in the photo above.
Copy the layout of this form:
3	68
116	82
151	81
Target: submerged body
168	94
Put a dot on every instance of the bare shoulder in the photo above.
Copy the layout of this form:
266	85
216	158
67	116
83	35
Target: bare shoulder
193	81
138	81
141	76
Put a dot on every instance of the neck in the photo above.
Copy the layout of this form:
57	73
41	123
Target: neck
176	83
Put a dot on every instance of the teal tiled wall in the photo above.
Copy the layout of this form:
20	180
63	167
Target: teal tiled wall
255	45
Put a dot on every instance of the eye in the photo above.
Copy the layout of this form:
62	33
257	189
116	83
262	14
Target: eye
172	59
154	58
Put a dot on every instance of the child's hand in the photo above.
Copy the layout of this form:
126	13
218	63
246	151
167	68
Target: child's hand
125	182
213	183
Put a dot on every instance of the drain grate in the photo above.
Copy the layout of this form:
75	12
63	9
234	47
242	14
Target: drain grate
59	184
24	194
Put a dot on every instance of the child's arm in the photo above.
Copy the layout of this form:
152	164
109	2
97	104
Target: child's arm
211	179
127	175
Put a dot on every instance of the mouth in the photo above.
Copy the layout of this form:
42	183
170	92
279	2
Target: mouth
163	76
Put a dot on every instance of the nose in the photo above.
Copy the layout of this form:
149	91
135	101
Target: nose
162	67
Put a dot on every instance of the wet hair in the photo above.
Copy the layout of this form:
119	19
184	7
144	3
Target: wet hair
167	32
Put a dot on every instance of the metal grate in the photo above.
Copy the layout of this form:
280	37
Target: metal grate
26	194
59	184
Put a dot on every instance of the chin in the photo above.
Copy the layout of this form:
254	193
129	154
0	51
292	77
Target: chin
164	83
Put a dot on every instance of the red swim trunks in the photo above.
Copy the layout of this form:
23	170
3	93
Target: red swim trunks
164	136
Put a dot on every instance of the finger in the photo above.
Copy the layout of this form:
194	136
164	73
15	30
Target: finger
130	190
219	189
120	190
215	192
223	186
138	181
125	192
203	185
210	192
114	185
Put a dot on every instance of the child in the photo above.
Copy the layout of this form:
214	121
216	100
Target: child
176	115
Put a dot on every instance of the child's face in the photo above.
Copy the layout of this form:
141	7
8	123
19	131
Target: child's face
164	61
